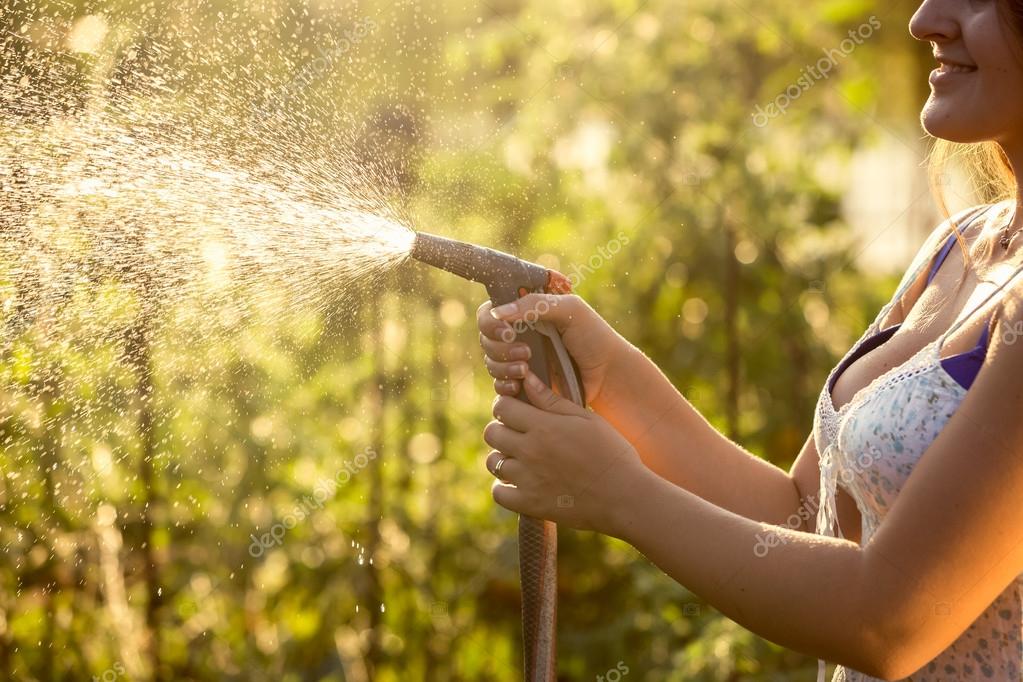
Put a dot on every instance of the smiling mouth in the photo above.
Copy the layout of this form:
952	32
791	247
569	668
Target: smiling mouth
956	68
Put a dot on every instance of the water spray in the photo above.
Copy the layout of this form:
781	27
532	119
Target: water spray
508	278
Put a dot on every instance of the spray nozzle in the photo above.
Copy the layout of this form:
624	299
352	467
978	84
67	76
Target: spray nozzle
505	276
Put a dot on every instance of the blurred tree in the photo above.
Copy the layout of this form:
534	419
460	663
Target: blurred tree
615	141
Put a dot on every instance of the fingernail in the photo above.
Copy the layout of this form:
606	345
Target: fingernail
520	353
519	370
507	385
505	310
534	382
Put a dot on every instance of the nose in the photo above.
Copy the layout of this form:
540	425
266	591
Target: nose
934	21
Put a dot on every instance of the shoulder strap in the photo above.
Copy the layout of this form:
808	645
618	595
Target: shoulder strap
942	255
926	255
958	323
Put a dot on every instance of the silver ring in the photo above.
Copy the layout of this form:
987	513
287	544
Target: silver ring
497	467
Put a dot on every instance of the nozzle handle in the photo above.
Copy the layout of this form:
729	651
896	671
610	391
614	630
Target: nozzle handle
538	538
548	357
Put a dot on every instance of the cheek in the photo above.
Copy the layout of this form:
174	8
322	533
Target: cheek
1001	98
1008	86
989	106
1000	57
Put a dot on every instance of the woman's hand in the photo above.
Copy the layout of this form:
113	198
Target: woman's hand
562	462
591	341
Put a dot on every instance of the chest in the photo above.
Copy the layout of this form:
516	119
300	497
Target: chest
875	442
932	315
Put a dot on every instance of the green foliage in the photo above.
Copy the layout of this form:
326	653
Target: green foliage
550	129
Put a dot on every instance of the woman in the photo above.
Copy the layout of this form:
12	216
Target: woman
928	588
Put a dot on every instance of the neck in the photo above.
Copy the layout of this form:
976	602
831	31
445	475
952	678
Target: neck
1014	152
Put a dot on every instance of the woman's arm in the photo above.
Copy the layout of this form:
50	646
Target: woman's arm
569	465
626	388
678	443
805	592
951	543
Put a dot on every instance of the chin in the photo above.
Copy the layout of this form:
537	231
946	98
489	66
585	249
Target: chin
946	121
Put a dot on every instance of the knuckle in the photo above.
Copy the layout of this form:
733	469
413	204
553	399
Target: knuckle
488	323
496	350
490	430
501	405
504	386
531	449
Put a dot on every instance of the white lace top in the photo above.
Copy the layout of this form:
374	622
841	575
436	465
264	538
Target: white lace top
869	446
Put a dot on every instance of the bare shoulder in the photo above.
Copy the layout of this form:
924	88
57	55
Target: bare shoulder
1005	349
913	279
960	220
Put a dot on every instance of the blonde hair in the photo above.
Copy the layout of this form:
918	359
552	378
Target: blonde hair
987	170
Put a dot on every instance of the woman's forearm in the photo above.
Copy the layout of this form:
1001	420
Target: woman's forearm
804	592
675	441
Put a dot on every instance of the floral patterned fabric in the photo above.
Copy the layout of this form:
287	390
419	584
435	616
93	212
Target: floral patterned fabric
869	446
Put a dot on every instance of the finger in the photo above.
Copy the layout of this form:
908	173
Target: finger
516	414
492	327
504	439
559	309
507	352
510	471
543	398
505	370
508	496
507	387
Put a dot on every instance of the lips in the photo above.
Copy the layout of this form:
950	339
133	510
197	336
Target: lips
946	67
949	70
948	64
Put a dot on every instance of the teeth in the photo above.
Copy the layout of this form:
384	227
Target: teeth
955	68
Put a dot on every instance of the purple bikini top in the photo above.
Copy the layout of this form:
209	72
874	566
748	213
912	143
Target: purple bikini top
963	367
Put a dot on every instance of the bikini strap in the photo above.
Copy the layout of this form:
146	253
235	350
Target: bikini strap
920	261
961	320
942	255
986	333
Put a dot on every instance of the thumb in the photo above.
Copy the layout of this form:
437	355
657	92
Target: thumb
542	397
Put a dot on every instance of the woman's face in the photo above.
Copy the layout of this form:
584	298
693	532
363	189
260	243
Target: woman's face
982	99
